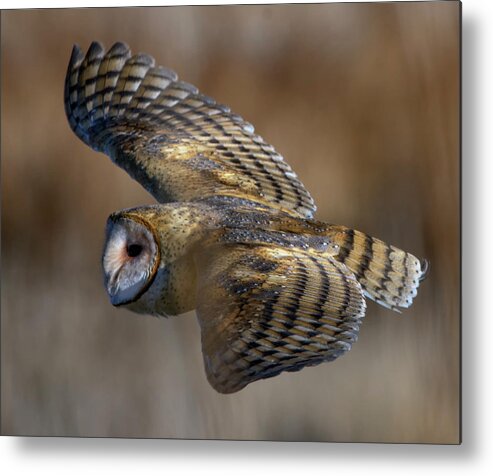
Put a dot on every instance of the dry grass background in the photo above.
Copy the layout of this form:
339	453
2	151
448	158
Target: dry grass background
361	99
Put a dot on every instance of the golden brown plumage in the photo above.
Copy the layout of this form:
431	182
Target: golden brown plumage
233	236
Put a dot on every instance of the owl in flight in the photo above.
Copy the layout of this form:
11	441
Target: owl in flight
233	235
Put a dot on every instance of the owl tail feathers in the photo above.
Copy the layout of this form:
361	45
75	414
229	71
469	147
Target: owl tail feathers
388	275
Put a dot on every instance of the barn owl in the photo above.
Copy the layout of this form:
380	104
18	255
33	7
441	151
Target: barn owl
233	234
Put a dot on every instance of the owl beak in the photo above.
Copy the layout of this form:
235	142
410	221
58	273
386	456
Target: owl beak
112	288
120	293
127	295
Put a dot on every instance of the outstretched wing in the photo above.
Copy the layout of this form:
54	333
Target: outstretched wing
179	144
266	309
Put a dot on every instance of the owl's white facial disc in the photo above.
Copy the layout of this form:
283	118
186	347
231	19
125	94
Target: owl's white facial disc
130	259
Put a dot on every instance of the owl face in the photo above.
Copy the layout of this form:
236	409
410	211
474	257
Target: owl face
130	259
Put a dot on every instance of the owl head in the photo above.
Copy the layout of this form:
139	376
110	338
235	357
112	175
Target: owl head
148	258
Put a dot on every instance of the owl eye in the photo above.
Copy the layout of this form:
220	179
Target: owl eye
134	250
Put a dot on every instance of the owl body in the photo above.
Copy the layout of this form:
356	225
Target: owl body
233	235
184	230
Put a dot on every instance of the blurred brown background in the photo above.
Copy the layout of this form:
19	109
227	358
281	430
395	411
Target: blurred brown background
361	99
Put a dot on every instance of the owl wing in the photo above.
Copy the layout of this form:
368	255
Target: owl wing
179	144
266	309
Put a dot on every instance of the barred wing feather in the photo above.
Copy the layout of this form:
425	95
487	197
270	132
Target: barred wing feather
179	144
266	310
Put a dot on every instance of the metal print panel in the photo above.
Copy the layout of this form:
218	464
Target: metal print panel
284	264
